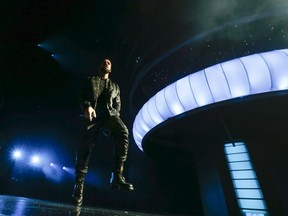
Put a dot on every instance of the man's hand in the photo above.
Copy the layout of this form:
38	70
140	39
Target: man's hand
89	113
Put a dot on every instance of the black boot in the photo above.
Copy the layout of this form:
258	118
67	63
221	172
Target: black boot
118	182
77	197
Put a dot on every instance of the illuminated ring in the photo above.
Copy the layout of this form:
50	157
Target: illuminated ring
254	74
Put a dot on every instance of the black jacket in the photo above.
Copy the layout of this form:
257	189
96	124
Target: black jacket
90	94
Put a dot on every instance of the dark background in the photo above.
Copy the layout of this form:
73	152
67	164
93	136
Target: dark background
48	47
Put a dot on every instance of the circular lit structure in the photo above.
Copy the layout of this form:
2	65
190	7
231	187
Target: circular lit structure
254	74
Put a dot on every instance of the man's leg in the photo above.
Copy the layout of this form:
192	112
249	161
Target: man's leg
82	159
119	133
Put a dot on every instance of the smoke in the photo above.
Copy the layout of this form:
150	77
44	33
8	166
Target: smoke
213	13
205	18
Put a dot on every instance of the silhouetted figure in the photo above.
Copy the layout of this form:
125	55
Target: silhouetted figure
100	99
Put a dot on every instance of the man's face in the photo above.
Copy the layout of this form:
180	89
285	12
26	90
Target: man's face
106	66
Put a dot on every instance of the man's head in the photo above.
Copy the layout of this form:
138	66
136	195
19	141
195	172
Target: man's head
105	66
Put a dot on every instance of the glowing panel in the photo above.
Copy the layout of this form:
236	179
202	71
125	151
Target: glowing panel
140	126
236	77
252	204
244	178
185	94
218	83
246	184
231	150
200	88
259	77
238	157
162	105
254	74
172	100
249	193
152	109
240	166
277	63
148	117
246	174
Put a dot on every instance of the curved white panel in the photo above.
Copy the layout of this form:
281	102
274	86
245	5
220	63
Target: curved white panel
200	88
140	125
172	99
277	63
258	73
259	77
152	108
185	94
147	117
218	83
162	105
237	78
284	51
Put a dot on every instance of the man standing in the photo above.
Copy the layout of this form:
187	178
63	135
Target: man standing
100	99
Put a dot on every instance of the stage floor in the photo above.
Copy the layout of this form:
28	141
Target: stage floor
20	206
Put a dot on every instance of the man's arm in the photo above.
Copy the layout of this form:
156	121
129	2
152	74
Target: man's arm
85	100
89	113
117	100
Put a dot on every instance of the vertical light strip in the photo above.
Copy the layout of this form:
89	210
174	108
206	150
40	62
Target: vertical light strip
245	182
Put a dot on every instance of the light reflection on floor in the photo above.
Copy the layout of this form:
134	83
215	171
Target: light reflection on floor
20	206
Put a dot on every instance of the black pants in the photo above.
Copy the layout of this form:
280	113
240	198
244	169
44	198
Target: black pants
111	126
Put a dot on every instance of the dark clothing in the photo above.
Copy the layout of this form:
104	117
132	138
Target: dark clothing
104	97
91	91
113	127
101	108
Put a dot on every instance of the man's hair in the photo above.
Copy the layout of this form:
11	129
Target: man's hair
105	59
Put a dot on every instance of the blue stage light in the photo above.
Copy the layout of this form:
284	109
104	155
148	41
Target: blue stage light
69	170
52	171
35	160
17	154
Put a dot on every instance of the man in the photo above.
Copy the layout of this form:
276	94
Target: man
100	99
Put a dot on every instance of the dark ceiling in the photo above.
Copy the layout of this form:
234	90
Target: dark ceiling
47	47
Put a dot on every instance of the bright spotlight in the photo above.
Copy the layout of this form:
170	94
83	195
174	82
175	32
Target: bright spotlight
35	160
51	164
17	154
69	170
